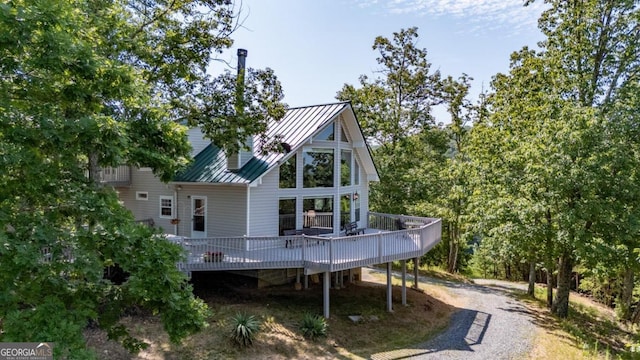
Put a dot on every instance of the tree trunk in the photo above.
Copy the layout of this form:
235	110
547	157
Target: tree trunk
627	294
561	303
94	168
452	263
549	287
532	279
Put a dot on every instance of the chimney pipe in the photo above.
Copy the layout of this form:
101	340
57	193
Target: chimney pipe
238	160
242	57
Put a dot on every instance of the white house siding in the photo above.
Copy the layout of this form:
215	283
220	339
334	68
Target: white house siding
197	140
144	181
263	216
226	209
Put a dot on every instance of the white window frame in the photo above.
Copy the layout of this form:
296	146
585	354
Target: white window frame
142	195
164	197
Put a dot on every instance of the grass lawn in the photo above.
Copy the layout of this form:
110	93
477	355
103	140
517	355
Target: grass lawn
280	310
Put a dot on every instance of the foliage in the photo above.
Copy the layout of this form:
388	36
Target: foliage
555	159
394	112
88	84
245	328
313	326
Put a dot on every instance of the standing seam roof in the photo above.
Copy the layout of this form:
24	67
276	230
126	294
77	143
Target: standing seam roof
297	125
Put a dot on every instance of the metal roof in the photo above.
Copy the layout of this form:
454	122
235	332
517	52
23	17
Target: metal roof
295	128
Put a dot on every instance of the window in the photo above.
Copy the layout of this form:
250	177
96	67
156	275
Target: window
287	215
318	212
318	168
345	168
345	209
288	174
142	195
356	173
166	207
326	134
343	135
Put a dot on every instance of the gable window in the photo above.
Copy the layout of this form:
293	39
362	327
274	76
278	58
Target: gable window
326	134
166	207
343	135
288	173
345	168
356	172
142	195
317	168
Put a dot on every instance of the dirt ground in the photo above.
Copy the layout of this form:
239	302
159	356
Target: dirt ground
279	310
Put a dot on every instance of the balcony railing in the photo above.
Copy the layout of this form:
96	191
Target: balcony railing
382	242
117	176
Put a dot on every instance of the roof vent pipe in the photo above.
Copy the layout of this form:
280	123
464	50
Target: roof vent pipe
238	160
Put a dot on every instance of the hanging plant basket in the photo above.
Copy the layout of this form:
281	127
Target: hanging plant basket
175	221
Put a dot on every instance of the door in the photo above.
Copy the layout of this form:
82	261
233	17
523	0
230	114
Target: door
198	216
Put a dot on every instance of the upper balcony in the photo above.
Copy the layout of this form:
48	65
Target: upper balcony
116	176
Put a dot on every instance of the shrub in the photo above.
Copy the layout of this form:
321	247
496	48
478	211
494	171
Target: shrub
244	329
313	326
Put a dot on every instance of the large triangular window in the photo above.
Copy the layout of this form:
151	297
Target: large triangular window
327	134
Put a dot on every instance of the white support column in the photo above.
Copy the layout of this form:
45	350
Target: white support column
389	289
404	282
325	292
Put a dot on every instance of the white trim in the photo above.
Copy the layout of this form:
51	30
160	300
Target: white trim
209	183
170	198
142	195
248	211
146	169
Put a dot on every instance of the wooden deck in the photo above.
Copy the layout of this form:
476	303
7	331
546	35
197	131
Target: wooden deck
379	244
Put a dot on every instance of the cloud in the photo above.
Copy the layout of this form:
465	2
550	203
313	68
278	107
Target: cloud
481	14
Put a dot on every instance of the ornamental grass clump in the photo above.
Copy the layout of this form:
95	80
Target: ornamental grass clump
313	326
244	329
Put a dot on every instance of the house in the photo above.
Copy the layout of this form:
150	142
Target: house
321	180
276	216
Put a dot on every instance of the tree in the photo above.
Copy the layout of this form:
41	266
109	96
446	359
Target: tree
554	125
87	84
394	111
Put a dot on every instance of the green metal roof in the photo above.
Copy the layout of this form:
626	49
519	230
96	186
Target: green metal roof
295	128
210	166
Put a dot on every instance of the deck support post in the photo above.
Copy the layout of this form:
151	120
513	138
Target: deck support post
298	285
325	293
416	265
404	282
389	289
306	282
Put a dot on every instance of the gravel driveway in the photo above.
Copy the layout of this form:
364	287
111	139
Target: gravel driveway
489	325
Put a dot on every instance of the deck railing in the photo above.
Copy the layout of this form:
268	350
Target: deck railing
381	243
120	175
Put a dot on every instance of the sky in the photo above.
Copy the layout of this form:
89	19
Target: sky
316	46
